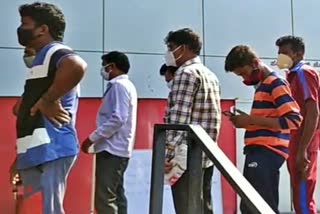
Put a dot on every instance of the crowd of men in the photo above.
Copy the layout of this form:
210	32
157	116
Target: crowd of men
281	127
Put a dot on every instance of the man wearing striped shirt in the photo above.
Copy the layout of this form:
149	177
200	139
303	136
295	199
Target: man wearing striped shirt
273	115
194	99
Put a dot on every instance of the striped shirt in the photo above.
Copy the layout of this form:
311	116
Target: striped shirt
194	99
273	99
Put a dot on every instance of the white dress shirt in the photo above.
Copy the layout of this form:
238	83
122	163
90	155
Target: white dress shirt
117	118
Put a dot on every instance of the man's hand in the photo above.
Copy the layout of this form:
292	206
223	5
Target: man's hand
85	145
51	110
14	174
240	121
168	166
302	163
16	107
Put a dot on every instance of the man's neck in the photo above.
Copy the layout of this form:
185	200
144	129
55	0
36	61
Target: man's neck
266	71
187	58
39	45
296	63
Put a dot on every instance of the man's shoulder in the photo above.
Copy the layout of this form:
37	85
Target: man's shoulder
273	82
124	84
275	79
310	71
195	69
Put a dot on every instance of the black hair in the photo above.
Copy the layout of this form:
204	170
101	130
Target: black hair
46	14
165	68
296	43
119	59
186	37
239	56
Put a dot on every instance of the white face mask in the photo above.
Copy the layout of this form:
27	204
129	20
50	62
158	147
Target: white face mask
169	84
170	59
105	75
28	61
284	61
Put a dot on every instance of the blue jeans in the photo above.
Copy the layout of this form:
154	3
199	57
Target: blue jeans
50	178
261	169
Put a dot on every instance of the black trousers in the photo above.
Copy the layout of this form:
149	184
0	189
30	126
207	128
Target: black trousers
261	169
180	192
109	193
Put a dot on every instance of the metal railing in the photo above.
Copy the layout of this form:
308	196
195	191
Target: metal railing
198	141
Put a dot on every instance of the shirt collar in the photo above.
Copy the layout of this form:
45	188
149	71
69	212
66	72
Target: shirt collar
297	67
189	62
122	76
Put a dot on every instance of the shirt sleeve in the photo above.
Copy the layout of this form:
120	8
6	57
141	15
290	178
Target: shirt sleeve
181	99
310	84
290	117
119	103
184	89
59	55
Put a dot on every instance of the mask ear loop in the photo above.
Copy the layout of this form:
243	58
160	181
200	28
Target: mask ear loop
180	54
105	66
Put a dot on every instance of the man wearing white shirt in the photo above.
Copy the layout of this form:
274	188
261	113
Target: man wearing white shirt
113	139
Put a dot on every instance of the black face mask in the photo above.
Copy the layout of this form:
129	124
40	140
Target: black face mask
25	36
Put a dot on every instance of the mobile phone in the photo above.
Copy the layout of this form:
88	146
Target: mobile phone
228	113
231	112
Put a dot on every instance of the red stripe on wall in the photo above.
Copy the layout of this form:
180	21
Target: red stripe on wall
227	142
7	153
150	111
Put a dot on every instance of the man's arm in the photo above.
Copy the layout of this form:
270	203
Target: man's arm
185	86
310	86
310	123
69	73
290	117
16	107
119	102
183	91
286	106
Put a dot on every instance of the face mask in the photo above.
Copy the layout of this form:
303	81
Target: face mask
105	75
254	79
28	61
169	84
284	61
170	59
25	36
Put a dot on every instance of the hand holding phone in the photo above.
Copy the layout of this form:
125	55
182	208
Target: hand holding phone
228	113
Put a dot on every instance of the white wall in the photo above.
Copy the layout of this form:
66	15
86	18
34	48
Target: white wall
138	28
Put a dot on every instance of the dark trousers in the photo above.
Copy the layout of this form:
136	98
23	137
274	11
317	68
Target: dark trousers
261	169
180	192
109	193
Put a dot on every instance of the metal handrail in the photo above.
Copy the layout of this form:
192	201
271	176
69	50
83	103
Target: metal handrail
199	141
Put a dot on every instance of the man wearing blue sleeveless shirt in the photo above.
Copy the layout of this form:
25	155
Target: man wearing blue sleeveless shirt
47	143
